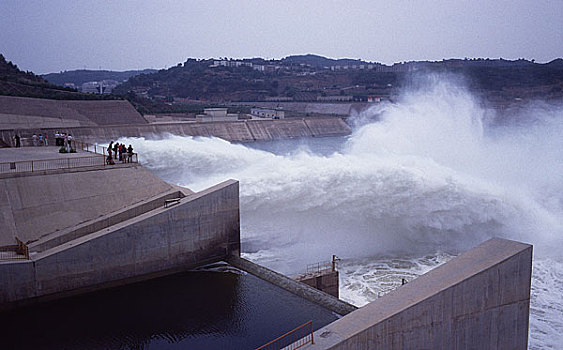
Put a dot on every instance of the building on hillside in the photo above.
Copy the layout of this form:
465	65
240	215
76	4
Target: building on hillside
338	98
216	115
279	99
99	87
267	113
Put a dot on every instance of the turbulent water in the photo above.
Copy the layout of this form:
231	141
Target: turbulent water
418	181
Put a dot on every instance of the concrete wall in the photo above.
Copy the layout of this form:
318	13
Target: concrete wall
238	131
202	227
479	300
304	291
312	108
39	112
326	281
33	205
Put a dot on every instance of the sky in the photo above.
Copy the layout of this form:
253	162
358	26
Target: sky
56	35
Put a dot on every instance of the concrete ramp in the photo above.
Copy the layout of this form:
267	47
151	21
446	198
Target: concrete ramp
35	205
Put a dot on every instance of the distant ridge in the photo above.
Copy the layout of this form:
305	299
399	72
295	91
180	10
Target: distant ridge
314	78
81	76
320	61
15	82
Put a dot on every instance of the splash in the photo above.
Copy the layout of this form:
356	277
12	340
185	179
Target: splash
427	174
430	173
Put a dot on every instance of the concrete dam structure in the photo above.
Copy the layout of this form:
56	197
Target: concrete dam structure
85	230
108	120
97	227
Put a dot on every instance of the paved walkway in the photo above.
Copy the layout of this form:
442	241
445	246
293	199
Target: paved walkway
38	153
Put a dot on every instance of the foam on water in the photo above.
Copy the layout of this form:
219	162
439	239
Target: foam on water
424	175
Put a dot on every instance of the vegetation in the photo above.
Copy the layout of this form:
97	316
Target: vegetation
81	76
310	77
14	82
191	86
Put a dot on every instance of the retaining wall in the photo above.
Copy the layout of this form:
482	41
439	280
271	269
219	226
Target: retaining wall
202	227
238	131
479	300
342	109
301	289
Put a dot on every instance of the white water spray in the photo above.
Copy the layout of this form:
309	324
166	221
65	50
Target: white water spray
428	175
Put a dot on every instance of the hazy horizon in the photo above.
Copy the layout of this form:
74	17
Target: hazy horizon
48	37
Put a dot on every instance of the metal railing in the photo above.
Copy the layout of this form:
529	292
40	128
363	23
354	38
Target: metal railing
291	340
66	163
15	251
50	164
319	267
323	266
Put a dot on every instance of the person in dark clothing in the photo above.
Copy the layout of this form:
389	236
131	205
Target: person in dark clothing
122	153
17	137
130	153
115	147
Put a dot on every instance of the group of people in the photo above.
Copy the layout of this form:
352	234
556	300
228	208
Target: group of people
41	140
63	140
119	151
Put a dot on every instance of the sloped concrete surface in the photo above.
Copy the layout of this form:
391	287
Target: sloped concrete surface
203	227
479	300
34	206
85	113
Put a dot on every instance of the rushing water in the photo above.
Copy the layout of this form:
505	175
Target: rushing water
418	182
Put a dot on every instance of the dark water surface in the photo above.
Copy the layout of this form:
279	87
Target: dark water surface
192	310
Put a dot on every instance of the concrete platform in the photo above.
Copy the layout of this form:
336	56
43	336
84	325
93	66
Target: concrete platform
38	153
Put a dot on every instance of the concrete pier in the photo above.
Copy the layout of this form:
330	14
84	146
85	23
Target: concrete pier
479	300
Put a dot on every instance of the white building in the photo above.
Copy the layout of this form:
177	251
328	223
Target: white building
267	113
99	87
216	115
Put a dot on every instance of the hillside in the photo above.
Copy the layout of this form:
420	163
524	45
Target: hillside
15	82
79	77
316	78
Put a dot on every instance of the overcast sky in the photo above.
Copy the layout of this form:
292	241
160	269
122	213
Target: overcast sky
54	35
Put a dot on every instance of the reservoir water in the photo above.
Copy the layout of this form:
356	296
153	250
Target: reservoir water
218	309
419	181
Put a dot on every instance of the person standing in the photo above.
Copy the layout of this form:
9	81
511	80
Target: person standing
34	140
46	140
130	153
17	138
121	153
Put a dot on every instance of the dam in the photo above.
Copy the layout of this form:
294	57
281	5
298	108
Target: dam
105	229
